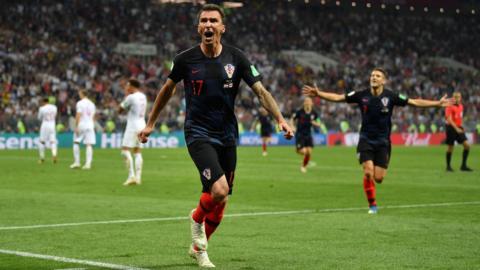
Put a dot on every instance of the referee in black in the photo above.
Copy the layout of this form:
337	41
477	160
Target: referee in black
211	74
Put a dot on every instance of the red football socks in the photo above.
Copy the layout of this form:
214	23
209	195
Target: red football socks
369	188
264	147
306	159
205	206
213	219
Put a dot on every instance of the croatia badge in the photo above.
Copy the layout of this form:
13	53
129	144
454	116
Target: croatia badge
229	68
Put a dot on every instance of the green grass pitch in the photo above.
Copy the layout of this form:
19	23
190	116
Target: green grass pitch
425	229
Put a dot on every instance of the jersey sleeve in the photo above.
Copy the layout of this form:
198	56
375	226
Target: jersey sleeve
79	108
40	114
353	97
178	71
399	100
448	112
126	103
248	71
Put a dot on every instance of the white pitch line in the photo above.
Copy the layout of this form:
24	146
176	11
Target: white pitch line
69	260
248	214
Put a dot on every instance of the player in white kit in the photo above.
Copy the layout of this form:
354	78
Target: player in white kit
135	103
47	114
84	130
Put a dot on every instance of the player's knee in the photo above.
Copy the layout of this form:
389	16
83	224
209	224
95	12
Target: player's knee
220	190
219	195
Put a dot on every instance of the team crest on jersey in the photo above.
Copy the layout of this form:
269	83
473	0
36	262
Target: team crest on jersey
385	101
207	173
229	68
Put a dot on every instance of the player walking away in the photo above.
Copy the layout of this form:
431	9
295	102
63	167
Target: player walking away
266	128
47	114
135	103
455	132
304	120
211	74
84	130
376	105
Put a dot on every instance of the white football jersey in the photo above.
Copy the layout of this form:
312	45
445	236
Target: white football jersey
86	109
47	114
136	104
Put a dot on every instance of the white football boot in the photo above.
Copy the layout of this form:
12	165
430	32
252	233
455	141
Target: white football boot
199	238
201	257
75	166
131	181
86	167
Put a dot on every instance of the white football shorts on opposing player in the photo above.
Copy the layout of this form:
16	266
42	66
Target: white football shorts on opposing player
130	139
48	134
87	136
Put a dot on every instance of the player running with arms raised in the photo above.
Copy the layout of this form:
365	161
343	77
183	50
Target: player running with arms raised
376	106
211	74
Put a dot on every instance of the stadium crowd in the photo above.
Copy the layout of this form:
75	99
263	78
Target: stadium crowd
52	48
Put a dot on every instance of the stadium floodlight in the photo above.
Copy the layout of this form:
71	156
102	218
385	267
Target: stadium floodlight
441	10
323	2
397	7
354	4
458	11
369	5
473	11
425	9
337	3
412	8
201	2
383	6
232	4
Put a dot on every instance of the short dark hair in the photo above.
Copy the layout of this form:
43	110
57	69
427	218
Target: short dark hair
45	99
212	7
382	70
134	82
83	91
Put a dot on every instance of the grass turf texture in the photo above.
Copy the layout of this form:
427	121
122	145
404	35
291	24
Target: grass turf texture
446	237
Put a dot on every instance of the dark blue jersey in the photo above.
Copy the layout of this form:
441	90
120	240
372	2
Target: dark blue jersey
211	85
376	113
265	123
304	122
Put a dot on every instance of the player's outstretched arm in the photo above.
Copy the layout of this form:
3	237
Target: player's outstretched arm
161	100
443	102
267	101
313	91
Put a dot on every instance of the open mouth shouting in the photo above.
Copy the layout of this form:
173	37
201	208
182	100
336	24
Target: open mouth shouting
208	35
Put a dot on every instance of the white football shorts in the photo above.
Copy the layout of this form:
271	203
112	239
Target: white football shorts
130	139
87	136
